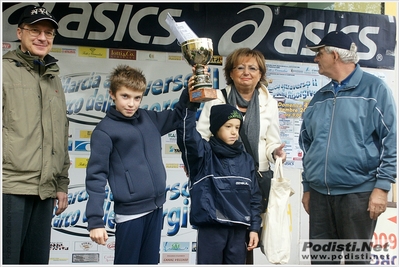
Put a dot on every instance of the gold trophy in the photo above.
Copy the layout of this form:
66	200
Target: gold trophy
198	52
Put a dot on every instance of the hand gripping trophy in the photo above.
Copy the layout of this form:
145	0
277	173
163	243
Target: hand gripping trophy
197	52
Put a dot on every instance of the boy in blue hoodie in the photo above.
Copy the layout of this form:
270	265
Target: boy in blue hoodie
126	153
224	193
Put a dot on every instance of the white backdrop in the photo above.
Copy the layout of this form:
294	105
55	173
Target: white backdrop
84	73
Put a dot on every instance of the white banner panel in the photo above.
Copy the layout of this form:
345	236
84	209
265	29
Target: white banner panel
84	74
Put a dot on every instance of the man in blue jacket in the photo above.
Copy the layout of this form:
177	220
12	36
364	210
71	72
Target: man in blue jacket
348	137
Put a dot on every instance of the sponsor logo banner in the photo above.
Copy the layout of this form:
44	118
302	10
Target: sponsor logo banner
280	33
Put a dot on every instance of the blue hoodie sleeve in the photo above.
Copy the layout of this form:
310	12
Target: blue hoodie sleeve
96	178
190	142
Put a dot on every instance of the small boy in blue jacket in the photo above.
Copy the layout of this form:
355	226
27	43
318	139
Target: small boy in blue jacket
126	153
224	193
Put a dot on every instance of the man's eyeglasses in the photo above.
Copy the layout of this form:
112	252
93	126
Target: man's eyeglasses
241	68
37	32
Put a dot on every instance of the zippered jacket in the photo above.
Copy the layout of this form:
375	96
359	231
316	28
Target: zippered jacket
269	132
349	138
223	188
35	127
126	153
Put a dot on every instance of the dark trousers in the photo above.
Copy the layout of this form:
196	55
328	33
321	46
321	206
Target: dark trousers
221	245
340	217
137	241
26	229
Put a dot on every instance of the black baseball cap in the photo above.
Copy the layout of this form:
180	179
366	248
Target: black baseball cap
336	39
33	14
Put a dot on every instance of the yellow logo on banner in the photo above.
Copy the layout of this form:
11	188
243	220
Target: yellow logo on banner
172	165
175	57
56	50
93	52
81	163
85	134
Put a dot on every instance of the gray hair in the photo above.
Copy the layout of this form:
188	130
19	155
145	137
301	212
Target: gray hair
347	56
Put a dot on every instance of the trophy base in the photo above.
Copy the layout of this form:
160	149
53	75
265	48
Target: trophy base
203	95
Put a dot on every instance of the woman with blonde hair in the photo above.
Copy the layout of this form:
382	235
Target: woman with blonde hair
245	73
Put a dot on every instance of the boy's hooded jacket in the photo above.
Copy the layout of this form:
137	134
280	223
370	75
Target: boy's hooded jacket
223	187
126	153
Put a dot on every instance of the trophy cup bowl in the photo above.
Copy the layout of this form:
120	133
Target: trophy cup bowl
198	52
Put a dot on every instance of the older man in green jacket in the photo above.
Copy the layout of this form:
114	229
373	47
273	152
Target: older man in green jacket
35	141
